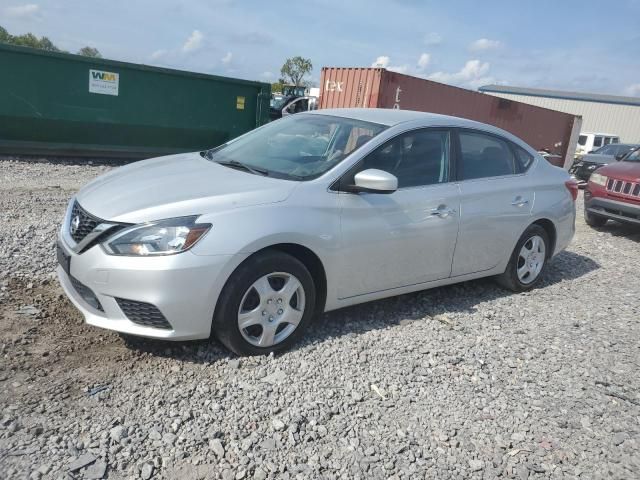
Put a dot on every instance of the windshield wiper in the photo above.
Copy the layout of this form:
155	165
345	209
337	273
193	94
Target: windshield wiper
244	166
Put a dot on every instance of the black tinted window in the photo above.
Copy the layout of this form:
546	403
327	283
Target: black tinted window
417	158
597	142
484	156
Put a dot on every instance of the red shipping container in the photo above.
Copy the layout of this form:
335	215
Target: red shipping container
379	88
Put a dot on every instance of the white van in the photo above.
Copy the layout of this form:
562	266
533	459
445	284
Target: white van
588	142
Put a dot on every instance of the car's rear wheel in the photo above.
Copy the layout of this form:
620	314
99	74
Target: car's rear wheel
528	260
265	305
594	220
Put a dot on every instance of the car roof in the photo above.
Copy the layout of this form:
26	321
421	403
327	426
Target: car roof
391	117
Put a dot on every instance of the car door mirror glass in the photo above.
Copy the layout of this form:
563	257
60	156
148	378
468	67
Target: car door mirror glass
375	181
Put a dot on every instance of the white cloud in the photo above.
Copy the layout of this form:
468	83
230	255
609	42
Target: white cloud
398	68
158	54
472	75
381	62
423	61
483	44
633	90
267	75
227	58
22	11
194	41
432	39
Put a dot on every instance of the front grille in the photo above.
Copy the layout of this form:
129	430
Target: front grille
143	314
81	223
624	188
86	293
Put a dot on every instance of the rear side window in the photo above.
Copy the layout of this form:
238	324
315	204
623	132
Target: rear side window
484	156
597	142
523	158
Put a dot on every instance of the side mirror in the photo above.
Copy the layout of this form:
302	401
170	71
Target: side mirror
619	156
375	181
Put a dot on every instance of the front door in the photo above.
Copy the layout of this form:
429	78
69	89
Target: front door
407	237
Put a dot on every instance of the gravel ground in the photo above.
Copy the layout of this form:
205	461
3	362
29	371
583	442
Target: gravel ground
466	381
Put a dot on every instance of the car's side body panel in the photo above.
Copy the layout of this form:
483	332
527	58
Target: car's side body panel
390	241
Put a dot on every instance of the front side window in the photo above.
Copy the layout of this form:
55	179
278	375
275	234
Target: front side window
597	142
300	105
299	147
484	156
582	140
416	158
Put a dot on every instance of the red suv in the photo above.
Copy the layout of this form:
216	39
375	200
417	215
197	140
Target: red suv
613	192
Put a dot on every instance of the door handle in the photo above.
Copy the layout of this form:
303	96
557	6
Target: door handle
519	202
442	211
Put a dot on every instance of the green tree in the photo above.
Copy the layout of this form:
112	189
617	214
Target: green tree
89	52
295	69
276	87
43	43
4	35
46	44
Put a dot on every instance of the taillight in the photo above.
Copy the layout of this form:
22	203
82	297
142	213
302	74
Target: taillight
572	186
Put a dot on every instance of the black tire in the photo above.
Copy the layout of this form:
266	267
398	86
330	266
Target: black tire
594	220
509	279
225	321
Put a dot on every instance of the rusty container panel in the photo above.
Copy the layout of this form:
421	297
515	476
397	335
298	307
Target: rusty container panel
539	127
350	87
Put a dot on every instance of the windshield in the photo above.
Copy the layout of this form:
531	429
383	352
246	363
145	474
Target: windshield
606	150
614	149
633	157
299	147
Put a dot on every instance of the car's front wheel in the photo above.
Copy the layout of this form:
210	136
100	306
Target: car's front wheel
265	305
528	260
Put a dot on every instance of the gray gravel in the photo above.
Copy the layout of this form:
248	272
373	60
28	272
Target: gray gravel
466	381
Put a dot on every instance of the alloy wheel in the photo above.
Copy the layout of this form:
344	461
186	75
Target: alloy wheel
271	309
531	259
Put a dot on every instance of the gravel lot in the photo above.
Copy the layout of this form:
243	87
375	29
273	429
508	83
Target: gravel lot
466	381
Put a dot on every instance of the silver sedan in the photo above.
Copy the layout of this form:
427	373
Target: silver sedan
250	240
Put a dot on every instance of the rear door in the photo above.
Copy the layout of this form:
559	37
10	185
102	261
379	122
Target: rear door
496	199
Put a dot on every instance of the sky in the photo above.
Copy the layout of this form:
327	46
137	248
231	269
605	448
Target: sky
572	45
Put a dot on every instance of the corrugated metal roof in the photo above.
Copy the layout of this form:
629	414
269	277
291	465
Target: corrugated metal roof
580	96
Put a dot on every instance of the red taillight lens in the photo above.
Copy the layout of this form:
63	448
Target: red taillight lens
572	186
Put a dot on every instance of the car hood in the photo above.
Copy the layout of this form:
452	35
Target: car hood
629	171
598	158
177	185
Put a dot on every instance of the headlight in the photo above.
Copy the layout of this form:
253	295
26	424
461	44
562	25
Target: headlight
165	237
598	179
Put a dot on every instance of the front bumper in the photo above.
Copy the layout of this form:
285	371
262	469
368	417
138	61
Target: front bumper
183	287
613	209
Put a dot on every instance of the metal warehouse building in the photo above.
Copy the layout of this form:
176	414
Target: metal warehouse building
600	113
